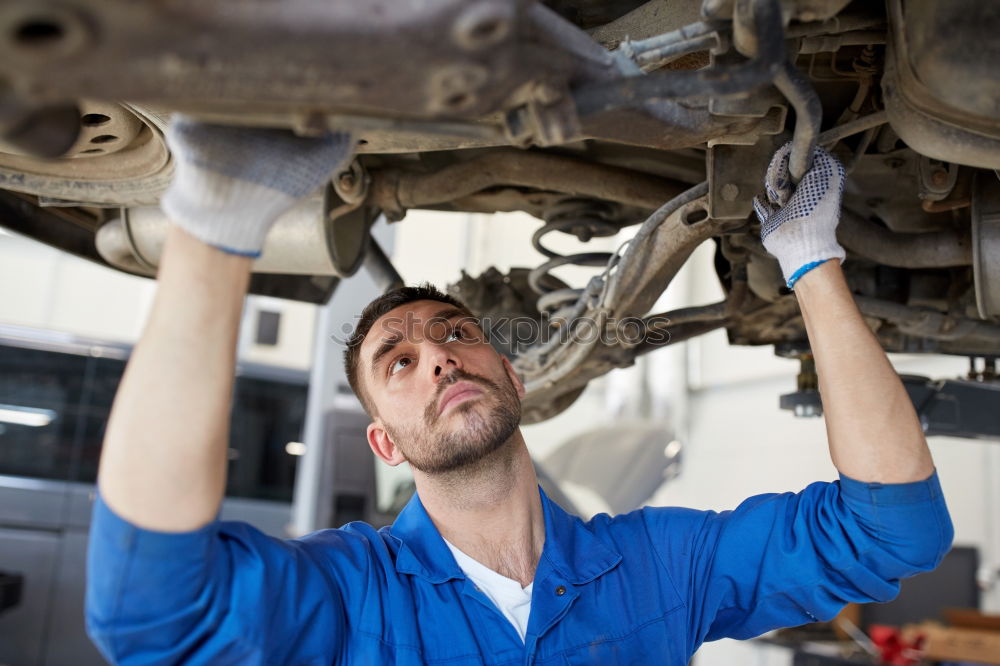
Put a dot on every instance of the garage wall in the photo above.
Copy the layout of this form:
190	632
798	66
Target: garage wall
741	445
45	288
435	246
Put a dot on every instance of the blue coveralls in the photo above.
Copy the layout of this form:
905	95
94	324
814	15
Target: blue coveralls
647	587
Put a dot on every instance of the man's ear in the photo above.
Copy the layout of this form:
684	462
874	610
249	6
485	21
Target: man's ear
508	366
382	445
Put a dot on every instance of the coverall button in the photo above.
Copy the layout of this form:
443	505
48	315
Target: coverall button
561	590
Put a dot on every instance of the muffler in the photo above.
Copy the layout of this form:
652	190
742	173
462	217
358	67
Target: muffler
302	242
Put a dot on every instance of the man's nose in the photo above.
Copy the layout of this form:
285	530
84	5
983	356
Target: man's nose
444	361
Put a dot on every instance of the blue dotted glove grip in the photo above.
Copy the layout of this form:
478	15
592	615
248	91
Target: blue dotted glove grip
798	224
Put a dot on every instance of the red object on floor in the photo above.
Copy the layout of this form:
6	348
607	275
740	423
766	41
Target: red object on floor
893	649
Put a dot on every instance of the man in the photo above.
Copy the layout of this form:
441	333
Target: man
480	567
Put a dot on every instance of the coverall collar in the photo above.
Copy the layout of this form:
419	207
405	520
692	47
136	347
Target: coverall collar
570	547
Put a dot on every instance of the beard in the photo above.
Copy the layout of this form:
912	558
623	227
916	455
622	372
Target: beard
487	424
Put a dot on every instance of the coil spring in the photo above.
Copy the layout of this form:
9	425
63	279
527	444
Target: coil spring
585	220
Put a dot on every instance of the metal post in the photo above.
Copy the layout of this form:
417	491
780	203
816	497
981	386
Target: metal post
328	381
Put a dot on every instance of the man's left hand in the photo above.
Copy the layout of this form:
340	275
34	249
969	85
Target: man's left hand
798	224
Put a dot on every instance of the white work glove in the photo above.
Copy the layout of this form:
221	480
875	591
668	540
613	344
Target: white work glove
231	184
798	224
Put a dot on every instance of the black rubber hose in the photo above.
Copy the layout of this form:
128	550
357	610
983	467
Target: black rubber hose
808	117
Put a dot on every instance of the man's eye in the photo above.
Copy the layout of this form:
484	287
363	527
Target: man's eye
395	364
457	333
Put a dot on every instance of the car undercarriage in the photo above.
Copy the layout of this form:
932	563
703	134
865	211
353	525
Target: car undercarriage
591	115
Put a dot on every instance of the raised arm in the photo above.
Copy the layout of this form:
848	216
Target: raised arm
781	560
164	457
873	430
166	582
871	425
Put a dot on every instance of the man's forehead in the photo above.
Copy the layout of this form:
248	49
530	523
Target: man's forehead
410	321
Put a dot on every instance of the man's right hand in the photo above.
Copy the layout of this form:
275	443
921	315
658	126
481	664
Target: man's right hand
232	183
163	465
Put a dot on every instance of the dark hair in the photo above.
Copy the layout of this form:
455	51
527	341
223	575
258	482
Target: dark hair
385	303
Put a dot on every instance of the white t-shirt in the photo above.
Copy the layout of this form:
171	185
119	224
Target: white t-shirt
506	594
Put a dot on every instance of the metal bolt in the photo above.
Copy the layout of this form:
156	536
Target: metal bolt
347	180
453	88
729	192
482	25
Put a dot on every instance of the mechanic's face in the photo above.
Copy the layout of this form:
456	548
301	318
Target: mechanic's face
445	398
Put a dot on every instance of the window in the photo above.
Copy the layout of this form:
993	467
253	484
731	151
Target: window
40	397
105	375
268	325
54	408
267	416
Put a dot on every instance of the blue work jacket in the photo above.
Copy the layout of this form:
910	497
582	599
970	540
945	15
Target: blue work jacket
647	587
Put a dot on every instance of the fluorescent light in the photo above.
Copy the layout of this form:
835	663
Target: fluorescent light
295	448
26	416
